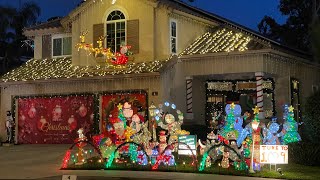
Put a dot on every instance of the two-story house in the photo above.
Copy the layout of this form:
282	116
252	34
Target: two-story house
181	54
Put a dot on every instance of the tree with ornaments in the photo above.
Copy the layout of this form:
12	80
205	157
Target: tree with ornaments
229	122
290	127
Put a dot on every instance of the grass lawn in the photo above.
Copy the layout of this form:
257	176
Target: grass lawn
290	171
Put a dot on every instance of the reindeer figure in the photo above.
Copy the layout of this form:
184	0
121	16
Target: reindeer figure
83	36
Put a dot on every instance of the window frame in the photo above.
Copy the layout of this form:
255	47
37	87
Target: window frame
60	36
106	22
170	36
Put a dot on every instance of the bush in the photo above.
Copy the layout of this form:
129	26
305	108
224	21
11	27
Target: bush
304	153
311	127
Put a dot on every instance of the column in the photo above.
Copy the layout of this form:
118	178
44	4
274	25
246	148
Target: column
259	81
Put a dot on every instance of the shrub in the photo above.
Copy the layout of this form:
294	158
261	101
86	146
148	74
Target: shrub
304	153
311	127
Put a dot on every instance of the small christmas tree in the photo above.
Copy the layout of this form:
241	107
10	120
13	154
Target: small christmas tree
229	123
291	128
121	116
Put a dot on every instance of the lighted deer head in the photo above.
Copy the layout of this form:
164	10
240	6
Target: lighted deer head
100	41
83	36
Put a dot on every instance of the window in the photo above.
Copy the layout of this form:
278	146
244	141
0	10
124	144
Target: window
61	45
116	30
173	36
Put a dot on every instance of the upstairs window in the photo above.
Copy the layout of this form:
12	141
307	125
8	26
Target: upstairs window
116	30
61	45
173	36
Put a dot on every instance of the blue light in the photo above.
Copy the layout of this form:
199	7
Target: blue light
167	104
173	106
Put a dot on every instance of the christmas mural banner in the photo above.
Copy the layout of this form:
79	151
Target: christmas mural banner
54	120
137	102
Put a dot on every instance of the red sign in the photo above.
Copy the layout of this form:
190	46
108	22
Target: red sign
54	120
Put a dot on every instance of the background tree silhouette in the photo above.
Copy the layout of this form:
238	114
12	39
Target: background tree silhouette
12	22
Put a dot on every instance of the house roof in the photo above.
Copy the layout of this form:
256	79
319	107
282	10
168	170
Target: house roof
223	40
60	68
55	23
184	7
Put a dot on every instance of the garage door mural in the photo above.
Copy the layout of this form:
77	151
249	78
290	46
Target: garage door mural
54	120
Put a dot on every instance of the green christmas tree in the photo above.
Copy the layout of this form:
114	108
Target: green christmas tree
121	116
291	128
229	124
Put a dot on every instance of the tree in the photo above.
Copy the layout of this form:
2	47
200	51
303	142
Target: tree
228	128
295	32
291	128
311	126
12	22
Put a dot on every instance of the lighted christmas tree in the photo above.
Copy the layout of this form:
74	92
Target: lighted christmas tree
291	128
121	116
229	123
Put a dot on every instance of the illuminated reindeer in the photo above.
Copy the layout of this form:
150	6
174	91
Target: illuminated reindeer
82	44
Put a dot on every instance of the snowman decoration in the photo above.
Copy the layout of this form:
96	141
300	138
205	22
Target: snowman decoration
271	133
173	127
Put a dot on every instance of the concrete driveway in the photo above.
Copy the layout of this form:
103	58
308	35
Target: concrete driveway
43	162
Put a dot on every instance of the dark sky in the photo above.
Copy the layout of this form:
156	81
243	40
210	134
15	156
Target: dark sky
245	12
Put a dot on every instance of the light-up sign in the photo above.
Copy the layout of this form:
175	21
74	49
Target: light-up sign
273	154
191	141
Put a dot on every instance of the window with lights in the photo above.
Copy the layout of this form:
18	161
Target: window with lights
115	30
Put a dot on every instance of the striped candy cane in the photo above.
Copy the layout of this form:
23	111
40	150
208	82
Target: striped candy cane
259	76
189	94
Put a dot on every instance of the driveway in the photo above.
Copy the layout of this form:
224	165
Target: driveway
43	162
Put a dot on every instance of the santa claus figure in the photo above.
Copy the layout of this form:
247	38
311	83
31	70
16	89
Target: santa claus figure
137	121
83	111
41	123
119	130
56	113
163	141
32	111
72	123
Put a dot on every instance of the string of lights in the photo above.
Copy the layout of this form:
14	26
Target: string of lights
222	40
45	69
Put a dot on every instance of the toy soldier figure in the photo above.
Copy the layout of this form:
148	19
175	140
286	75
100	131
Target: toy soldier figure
9	126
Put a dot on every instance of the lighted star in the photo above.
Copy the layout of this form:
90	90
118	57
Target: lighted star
291	108
119	106
232	105
256	110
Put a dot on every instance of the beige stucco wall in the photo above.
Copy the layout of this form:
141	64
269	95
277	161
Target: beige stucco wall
150	84
37	47
153	28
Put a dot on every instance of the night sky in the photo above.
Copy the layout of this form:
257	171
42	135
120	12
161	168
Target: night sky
245	12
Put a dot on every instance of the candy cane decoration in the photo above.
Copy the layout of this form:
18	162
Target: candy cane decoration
189	94
259	76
